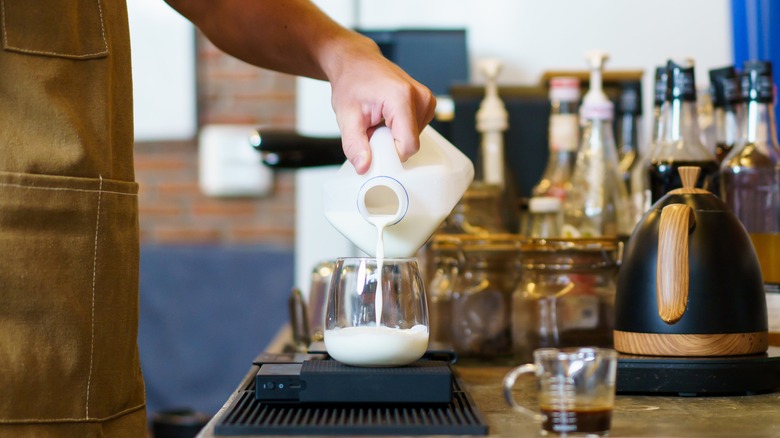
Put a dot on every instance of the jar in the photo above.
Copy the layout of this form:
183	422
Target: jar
481	297
445	251
478	212
565	294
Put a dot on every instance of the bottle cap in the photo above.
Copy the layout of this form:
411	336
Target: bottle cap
630	98
724	86
681	80
544	204
565	88
757	81
660	85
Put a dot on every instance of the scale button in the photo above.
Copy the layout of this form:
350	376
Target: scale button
269	385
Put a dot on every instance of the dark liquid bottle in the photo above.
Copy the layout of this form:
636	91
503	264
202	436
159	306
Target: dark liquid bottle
682	145
629	113
751	176
725	91
640	177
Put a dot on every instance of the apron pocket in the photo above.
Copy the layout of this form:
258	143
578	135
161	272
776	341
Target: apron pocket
68	298
65	28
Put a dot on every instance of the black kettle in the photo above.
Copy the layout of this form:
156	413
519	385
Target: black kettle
690	283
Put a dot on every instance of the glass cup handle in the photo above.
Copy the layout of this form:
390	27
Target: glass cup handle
509	382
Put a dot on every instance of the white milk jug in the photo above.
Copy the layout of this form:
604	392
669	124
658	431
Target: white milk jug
410	199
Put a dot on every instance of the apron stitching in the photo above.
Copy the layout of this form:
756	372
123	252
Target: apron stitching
102	28
43	52
94	277
73	420
65	189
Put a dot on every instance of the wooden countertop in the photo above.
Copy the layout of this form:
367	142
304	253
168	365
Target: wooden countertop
634	416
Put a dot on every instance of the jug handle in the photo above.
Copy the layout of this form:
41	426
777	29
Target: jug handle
672	268
384	153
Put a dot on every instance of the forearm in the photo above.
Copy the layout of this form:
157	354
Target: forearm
291	36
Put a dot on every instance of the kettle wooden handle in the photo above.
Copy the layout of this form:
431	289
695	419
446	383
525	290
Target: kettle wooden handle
672	269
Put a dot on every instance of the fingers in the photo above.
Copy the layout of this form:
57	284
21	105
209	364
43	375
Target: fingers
408	120
403	125
362	102
354	138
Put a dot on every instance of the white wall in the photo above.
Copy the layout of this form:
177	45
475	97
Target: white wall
532	36
163	56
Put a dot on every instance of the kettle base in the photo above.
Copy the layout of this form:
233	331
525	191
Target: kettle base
699	376
696	345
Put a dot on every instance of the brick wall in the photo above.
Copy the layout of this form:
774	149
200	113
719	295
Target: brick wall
172	209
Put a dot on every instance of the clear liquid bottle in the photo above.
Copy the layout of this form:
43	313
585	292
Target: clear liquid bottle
563	137
640	179
597	201
629	115
750	173
726	101
682	145
544	217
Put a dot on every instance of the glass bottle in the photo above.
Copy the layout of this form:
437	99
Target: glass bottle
563	136
751	172
544	217
640	179
596	204
481	297
682	145
724	88
629	115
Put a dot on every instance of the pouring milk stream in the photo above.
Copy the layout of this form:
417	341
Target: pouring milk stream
391	211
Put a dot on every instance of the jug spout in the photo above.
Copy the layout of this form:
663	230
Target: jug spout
383	196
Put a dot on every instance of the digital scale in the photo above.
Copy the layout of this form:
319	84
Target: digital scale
311	394
692	376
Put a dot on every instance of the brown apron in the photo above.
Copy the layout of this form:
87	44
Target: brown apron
69	362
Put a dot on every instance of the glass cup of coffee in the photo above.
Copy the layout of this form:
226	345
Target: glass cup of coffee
576	390
376	312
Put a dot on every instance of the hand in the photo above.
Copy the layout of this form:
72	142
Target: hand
369	90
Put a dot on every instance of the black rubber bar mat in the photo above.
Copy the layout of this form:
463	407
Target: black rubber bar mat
248	416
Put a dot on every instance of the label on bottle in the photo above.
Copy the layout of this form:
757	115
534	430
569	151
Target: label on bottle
564	132
578	312
767	246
